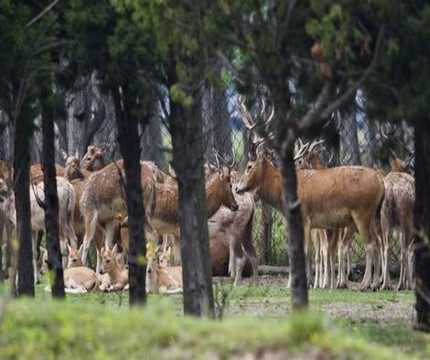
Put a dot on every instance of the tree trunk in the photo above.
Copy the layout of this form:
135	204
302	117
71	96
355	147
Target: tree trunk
128	138
186	130
21	170
152	140
51	198
422	224
299	284
285	137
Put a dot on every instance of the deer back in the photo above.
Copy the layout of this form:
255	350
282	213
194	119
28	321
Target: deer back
331	197
398	204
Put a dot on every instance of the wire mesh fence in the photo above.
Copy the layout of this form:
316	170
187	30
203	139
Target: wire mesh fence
350	139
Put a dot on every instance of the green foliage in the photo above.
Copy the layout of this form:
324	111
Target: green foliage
51	329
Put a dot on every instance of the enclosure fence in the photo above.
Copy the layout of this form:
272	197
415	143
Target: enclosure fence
349	139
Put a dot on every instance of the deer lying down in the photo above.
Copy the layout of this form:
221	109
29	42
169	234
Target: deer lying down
116	277
161	278
77	278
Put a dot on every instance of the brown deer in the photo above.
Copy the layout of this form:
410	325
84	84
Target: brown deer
78	178
397	213
66	200
103	198
325	240
165	218
324	201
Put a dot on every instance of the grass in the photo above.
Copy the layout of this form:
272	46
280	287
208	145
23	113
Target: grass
257	320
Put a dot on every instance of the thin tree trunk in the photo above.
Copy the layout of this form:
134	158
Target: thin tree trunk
51	199
21	170
128	138
186	129
422	224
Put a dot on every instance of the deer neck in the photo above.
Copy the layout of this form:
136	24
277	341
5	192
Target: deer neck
213	200
270	190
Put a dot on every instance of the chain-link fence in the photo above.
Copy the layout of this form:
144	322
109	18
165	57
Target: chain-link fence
349	139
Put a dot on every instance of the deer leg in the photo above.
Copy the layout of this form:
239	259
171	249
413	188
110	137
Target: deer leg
231	257
384	257
240	263
90	229
109	234
34	256
317	246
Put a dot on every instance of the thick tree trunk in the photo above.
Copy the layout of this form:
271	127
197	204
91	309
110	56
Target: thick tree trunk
128	138
285	137
422	224
51	200
186	129
21	170
299	284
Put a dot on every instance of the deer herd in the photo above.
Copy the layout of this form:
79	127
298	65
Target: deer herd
336	203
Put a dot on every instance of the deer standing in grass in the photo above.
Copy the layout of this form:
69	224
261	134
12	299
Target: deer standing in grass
104	197
235	228
66	202
397	213
329	198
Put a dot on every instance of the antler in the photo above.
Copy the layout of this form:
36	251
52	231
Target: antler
255	140
302	149
306	148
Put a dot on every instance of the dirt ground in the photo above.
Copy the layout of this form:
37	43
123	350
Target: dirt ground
351	304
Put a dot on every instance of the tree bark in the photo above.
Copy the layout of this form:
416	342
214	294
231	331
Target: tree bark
51	198
188	160
422	224
285	137
21	170
128	138
299	284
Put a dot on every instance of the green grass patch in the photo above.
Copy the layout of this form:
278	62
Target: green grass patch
345	324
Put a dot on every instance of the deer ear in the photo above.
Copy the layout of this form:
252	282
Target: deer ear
69	247
81	249
102	250
115	249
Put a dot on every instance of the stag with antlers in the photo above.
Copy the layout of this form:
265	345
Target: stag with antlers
329	198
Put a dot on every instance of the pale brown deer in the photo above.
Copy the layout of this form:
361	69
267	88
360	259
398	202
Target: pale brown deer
104	197
93	159
66	200
116	273
36	172
329	198
162	279
235	229
397	213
